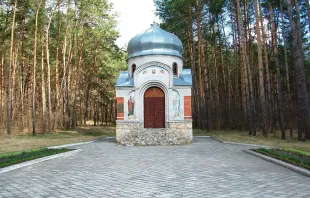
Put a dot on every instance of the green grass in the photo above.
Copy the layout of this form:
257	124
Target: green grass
19	157
298	158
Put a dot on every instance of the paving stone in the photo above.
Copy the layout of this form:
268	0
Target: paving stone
206	168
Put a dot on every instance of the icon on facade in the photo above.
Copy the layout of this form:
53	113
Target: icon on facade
131	106
176	104
153	71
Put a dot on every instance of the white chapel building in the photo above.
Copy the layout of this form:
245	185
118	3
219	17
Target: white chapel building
154	95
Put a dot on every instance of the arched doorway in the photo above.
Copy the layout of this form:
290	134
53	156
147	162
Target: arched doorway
154	108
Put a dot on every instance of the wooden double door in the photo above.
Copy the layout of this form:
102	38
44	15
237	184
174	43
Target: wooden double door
154	108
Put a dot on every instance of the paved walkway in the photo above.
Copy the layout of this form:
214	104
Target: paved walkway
206	168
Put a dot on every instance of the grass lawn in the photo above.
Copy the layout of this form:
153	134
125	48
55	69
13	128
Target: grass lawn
81	134
301	159
18	157
272	140
28	142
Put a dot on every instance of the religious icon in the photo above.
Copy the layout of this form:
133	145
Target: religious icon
176	105
153	71
131	107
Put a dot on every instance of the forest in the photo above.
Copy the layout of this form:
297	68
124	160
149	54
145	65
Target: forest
58	66
250	62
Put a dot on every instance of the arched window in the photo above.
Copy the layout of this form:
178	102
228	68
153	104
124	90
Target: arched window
133	69
175	69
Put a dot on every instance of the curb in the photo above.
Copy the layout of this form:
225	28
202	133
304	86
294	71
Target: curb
68	145
297	169
35	161
201	136
78	144
241	144
214	138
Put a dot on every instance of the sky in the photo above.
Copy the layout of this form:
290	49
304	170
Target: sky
135	16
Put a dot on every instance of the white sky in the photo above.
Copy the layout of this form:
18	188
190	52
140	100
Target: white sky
135	16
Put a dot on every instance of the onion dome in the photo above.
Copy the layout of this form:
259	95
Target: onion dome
155	41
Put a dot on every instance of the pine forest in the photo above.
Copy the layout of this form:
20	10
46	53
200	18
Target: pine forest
250	62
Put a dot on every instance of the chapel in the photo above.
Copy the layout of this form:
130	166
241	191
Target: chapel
154	95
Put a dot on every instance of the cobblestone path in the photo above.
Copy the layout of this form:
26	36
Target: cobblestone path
206	168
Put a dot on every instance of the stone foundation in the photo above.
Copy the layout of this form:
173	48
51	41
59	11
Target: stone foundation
134	134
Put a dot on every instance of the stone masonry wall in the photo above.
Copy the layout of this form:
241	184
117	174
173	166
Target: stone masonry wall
134	134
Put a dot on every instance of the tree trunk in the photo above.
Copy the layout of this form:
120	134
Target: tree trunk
200	65
279	84
9	100
88	84
95	115
245	65
48	71
64	78
207	114
300	77
86	103
67	110
268	102
21	76
224	95
2	67
66	81
250	69
56	67
73	124
262	98
229	87
29	121
34	72
250	63
111	111
43	84
106	113
195	85
289	98
13	79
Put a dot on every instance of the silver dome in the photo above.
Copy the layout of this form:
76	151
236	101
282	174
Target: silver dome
155	41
